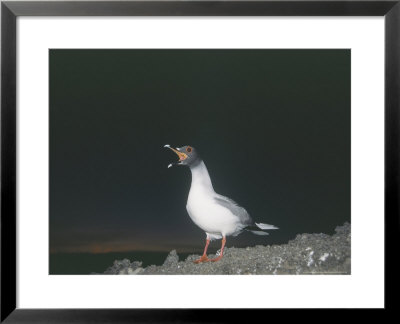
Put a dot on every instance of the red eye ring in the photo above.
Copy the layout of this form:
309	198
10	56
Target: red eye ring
188	149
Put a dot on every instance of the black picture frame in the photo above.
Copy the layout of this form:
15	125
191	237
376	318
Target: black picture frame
11	10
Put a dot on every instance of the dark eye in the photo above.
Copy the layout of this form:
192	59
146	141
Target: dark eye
188	149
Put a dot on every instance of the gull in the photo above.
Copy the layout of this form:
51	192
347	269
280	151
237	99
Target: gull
218	216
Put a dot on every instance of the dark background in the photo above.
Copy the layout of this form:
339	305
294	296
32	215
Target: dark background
273	127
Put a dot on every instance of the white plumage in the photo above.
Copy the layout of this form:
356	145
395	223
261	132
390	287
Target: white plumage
215	214
216	220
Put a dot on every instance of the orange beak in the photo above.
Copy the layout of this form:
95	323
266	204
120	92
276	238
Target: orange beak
182	156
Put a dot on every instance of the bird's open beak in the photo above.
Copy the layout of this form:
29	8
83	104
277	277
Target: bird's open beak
182	156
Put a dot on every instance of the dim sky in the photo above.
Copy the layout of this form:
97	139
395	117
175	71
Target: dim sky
273	127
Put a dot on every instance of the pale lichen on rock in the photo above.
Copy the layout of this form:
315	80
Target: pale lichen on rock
306	254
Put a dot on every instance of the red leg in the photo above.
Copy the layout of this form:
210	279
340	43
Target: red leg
204	257
222	251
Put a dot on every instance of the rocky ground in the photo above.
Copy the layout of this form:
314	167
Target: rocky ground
306	254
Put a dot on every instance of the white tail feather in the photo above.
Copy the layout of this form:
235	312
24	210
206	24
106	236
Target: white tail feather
265	226
259	233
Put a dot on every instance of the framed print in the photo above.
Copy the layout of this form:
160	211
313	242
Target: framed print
162	158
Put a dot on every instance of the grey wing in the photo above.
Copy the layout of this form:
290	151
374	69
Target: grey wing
235	209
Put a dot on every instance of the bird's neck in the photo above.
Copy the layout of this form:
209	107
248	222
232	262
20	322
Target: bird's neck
200	178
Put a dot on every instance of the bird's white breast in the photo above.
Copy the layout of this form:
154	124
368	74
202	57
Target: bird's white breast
202	208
